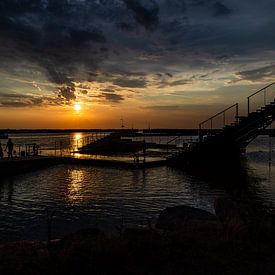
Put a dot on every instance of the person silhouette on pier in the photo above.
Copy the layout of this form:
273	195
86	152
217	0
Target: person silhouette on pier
9	148
1	152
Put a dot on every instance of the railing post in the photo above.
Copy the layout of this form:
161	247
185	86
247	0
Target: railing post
211	124
264	96
200	133
223	119
237	112
248	107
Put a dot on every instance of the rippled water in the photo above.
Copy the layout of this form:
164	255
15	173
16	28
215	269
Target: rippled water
88	196
84	196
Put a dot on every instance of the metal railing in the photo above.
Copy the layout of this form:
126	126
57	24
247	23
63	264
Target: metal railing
23	150
69	146
263	97
181	142
222	113
87	139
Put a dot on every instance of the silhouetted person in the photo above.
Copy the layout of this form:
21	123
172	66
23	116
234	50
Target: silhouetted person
1	152
9	148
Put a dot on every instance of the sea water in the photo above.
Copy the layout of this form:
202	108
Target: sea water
81	196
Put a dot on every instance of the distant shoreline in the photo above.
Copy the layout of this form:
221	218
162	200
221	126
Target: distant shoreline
172	131
187	132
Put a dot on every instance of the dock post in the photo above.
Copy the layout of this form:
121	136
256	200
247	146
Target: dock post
200	133
237	112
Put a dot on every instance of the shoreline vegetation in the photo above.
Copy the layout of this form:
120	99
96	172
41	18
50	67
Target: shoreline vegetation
238	239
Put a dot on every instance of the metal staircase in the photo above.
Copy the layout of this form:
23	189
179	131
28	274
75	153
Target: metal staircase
229	141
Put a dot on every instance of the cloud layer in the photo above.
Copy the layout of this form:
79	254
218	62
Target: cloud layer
119	50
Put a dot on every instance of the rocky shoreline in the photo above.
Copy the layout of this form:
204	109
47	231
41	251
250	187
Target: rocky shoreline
238	239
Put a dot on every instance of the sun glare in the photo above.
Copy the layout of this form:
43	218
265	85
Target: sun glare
77	107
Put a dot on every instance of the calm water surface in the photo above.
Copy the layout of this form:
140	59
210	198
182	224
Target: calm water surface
99	197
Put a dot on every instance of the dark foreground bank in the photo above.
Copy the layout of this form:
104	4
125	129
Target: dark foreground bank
237	240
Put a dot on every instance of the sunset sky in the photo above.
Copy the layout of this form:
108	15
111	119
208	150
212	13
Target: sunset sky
167	63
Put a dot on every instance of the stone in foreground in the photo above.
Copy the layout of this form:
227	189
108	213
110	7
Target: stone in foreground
182	215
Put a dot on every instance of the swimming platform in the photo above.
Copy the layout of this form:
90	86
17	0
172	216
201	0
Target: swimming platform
21	165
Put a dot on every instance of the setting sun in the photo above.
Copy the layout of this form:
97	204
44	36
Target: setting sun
77	107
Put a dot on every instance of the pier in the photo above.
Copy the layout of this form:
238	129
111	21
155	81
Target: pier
134	149
29	164
223	147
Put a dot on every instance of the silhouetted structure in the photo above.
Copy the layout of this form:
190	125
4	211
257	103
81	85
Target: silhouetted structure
9	148
223	148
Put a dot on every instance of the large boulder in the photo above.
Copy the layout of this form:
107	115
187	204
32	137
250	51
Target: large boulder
182	215
242	219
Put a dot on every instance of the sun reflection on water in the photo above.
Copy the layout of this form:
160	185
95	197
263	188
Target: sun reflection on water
75	192
77	140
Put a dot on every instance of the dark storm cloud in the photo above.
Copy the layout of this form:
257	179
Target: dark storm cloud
130	83
175	83
262	73
125	42
126	26
56	76
80	37
67	92
24	100
110	97
50	34
14	104
113	97
220	9
147	15
8	95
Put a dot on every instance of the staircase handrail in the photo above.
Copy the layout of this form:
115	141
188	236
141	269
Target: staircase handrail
236	105
257	92
173	139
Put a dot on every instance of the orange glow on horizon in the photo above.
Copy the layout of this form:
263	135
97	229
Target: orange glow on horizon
77	107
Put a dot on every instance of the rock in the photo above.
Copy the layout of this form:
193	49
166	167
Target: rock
229	211
242	220
139	233
178	216
83	235
86	233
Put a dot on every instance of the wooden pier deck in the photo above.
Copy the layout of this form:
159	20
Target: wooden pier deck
30	164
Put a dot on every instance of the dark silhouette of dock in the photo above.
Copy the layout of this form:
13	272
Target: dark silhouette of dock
224	147
29	164
214	148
